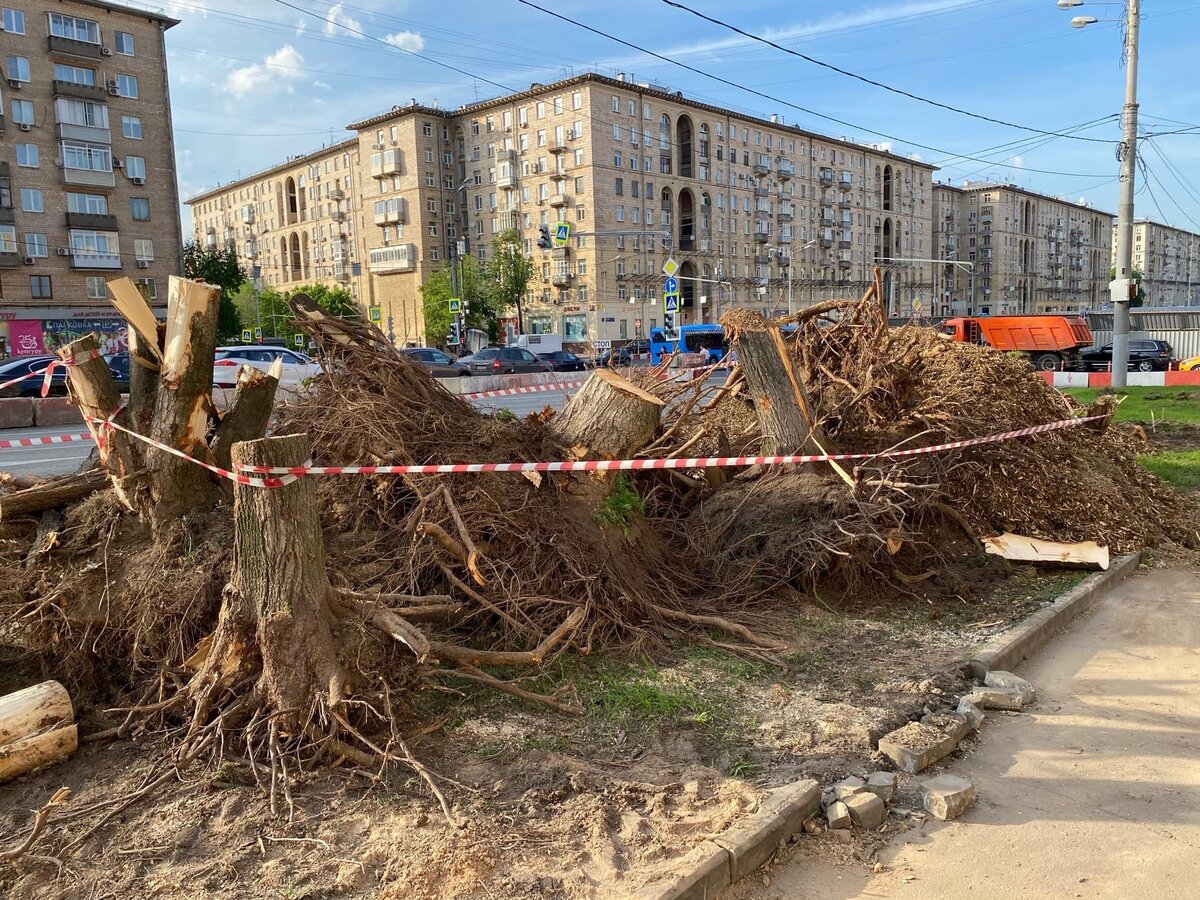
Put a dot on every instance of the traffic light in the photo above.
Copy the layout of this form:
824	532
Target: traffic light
452	339
669	327
544	242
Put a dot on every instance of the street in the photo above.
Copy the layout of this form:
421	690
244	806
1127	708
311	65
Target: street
1094	793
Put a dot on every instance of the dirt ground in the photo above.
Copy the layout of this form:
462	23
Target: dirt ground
672	750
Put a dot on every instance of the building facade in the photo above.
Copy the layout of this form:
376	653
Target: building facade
756	213
1169	260
88	190
1009	251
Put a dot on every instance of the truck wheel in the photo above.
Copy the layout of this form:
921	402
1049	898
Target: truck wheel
1047	362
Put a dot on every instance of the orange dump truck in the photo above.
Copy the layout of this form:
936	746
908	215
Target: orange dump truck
1050	342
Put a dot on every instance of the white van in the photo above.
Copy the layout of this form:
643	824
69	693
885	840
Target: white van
539	343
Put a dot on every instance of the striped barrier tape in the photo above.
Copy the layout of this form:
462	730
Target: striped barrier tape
43	441
531	389
48	371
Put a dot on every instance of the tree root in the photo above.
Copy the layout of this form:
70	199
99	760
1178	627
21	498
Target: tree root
61	798
536	656
721	624
468	671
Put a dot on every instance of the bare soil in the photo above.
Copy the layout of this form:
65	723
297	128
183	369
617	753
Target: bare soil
672	750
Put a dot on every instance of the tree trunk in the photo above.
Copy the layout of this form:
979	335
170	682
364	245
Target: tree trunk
784	412
146	338
37	726
610	417
248	414
276	612
52	493
181	408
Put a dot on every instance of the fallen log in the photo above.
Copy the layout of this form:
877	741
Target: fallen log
37	726
52	493
1019	548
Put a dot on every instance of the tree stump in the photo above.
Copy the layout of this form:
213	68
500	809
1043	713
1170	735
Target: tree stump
780	401
610	417
248	414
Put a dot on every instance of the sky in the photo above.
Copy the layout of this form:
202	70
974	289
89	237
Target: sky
255	81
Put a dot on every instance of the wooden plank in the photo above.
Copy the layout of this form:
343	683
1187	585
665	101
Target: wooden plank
130	303
1019	548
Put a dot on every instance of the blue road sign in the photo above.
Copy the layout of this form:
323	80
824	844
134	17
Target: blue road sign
671	286
562	232
671	303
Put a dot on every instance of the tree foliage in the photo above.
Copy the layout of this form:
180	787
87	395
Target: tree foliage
475	289
270	307
509	270
219	266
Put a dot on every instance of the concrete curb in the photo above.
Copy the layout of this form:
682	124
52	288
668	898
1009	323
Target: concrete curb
717	863
1012	647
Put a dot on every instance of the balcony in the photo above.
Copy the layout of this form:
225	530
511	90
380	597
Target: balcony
92	221
760	190
761	168
506	182
389	217
9	260
784	238
762	259
558	201
826	238
845	258
337	194
397	258
560	278
845	203
389	163
71	47
786	169
67	131
93	92
826	217
761	234
558	175
89	177
845	181
785	214
338	215
847	220
826	176
248	215
558	148
6	215
560	253
87	259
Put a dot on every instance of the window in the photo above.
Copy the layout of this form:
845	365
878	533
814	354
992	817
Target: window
94	157
92	204
81	112
148	286
22	112
8	239
135	166
18	68
95	287
127	86
139	209
14	21
123	43
27	155
74	29
31	200
131	127
143	249
39	287
35	245
74	74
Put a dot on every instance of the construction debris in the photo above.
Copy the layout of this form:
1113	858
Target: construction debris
947	797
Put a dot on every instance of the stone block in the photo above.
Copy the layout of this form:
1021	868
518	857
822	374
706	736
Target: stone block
916	746
16	412
947	797
56	411
867	810
972	713
996	698
882	785
951	723
1009	681
706	876
838	815
848	787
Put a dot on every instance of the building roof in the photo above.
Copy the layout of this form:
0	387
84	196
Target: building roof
264	173
536	90
139	12
976	186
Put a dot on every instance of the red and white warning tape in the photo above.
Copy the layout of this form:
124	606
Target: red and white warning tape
48	372
531	389
43	441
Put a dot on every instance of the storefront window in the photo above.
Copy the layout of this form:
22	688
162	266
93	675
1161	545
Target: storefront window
574	329
541	325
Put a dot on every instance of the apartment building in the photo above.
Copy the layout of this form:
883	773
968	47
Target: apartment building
756	213
87	168
1169	260
1010	251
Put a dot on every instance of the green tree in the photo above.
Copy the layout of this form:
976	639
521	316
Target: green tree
475	289
509	272
1140	299
218	266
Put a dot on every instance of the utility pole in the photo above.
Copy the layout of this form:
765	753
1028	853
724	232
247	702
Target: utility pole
1124	275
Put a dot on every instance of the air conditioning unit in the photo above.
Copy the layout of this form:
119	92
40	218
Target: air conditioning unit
105	51
116	163
14	83
25	126
64	251
29	260
138	180
143	263
113	91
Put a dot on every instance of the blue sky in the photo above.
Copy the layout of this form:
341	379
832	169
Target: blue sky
257	80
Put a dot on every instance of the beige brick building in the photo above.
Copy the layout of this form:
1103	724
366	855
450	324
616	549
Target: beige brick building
1169	259
87	168
754	211
1017	252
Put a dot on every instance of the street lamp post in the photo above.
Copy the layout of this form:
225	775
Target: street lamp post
1121	285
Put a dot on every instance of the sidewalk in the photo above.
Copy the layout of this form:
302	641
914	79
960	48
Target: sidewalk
1095	793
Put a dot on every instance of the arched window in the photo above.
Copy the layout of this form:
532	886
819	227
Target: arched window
683	138
887	188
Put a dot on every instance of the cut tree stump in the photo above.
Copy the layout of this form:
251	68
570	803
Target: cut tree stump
37	726
52	493
248	414
610	417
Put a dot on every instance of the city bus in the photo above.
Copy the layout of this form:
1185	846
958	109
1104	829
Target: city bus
688	339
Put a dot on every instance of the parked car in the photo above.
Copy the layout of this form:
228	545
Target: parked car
1145	356
623	355
437	363
506	361
296	366
118	364
1190	365
31	386
564	361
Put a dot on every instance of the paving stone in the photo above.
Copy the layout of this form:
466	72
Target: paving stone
972	713
947	796
838	815
916	746
996	698
951	723
848	787
882	785
867	810
999	679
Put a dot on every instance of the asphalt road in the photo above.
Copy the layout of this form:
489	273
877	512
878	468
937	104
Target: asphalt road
59	459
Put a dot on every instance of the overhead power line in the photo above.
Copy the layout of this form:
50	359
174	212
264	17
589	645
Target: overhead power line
781	102
878	84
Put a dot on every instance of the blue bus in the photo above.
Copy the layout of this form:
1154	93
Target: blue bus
688	339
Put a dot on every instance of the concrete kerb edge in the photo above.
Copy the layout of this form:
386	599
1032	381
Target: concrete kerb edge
1010	648
742	848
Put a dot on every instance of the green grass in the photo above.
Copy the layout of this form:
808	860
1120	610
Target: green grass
1179	468
622	507
1146	404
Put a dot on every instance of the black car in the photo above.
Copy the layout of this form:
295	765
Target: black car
1144	356
563	361
32	385
439	364
118	364
506	361
624	355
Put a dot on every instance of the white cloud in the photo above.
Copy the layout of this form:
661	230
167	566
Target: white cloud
1018	162
286	63
301	27
406	40
340	24
322	85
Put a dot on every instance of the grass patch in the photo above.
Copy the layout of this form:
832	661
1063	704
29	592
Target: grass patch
1146	404
622	507
1179	468
504	415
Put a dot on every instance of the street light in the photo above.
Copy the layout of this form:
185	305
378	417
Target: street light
1122	283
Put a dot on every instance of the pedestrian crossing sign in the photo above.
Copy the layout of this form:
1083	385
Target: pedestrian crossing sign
671	303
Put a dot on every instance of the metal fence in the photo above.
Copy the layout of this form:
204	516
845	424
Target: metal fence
1178	327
